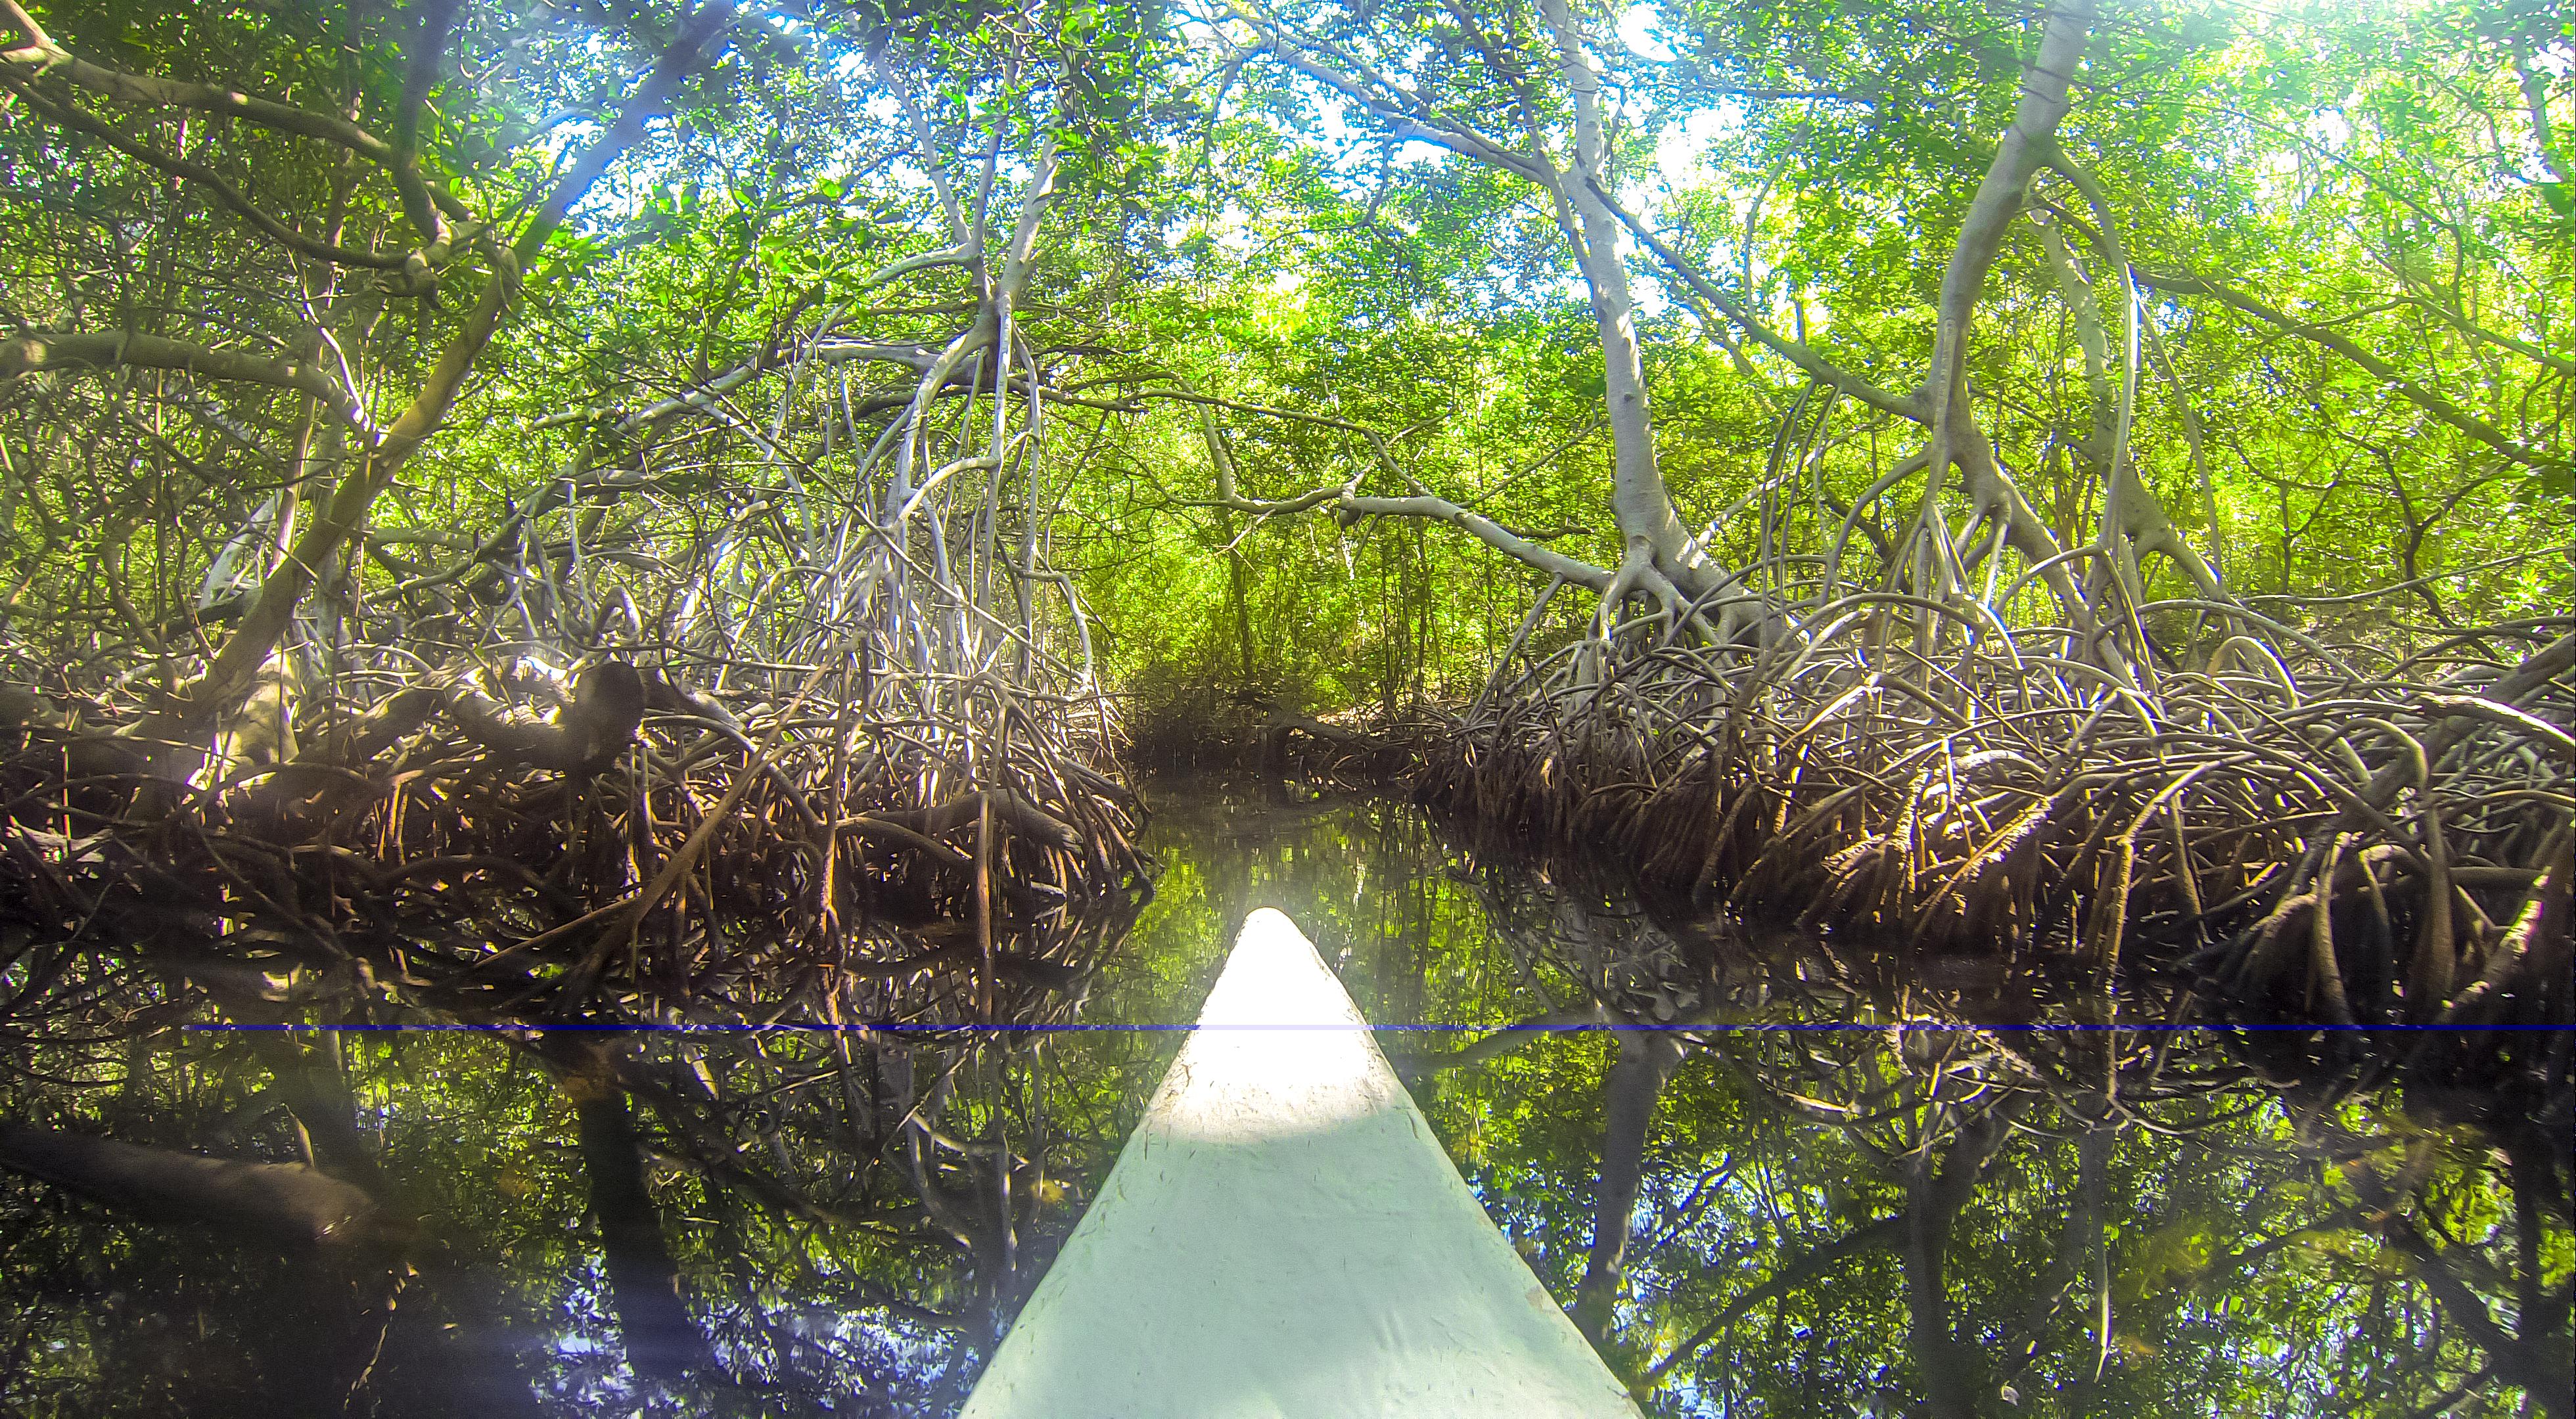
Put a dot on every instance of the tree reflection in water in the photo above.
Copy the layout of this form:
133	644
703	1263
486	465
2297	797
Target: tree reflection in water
1911	1203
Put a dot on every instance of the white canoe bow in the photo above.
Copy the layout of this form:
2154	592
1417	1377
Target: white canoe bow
1283	1236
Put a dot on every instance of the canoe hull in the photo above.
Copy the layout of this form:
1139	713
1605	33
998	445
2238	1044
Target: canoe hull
1284	1236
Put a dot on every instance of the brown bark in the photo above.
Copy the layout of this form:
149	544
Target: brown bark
607	705
285	1202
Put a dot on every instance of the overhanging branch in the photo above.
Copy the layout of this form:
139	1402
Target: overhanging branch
29	354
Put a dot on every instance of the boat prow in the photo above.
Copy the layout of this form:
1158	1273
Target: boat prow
1283	1236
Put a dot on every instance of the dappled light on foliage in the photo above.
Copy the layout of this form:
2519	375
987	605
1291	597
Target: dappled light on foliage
1918	652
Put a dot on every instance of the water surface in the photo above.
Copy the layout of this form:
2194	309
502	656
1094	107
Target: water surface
1846	1184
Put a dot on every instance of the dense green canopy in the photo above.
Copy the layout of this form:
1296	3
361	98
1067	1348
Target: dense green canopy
1333	240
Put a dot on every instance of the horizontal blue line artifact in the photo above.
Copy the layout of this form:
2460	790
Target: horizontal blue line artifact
1828	1027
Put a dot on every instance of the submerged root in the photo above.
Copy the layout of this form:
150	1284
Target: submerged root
2320	845
919	852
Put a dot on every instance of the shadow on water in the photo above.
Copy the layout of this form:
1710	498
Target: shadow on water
1766	1176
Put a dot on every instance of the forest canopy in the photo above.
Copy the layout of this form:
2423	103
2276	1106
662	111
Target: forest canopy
320	312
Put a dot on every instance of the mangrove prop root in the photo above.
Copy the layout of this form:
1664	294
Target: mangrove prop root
285	1202
609	861
2321	844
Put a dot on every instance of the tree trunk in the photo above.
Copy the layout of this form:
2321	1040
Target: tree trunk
1237	590
1639	500
1999	200
286	1202
643	1281
1937	1186
1636	1083
316	1092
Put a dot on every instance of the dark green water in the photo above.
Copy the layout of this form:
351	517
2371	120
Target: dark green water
1859	1207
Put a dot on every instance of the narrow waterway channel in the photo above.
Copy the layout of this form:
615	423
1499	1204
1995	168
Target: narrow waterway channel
1832	1186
